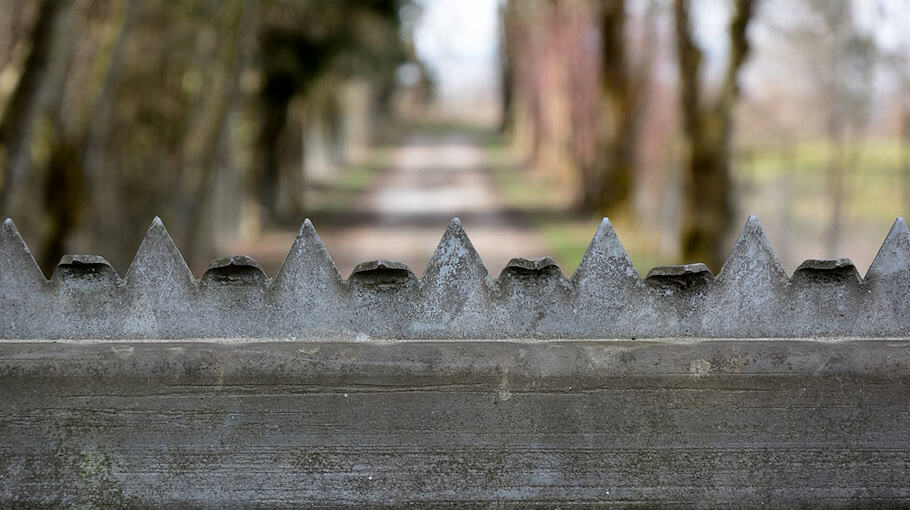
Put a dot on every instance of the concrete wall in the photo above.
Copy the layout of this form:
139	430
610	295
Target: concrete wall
752	296
682	389
695	424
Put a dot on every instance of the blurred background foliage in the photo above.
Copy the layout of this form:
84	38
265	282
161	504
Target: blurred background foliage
676	118
679	118
112	112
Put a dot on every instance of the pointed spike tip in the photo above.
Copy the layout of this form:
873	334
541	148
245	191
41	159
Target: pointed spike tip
307	253
10	227
604	227
157	252
156	226
606	257
752	247
455	247
17	252
893	257
753	224
752	228
306	233
456	229
306	229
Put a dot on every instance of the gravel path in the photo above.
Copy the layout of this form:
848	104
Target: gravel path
431	180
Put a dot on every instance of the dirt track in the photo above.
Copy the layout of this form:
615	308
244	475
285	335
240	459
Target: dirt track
403	214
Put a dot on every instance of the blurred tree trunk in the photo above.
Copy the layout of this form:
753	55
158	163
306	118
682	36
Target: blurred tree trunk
11	26
73	175
273	123
101	184
619	124
23	106
609	177
506	67
203	158
708	132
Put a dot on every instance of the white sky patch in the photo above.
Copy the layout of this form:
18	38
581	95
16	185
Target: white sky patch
459	40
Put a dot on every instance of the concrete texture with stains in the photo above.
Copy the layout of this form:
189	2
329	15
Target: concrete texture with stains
456	388
670	423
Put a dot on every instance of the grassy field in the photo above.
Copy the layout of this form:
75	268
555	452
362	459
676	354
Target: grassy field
566	232
787	188
790	189
874	179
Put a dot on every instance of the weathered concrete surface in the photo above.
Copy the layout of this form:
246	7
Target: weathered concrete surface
719	424
751	297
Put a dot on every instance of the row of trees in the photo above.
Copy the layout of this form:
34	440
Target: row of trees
590	125
112	111
600	90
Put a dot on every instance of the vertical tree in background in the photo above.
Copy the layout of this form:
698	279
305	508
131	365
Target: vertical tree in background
623	83
114	111
506	47
23	106
707	129
576	99
305	42
527	36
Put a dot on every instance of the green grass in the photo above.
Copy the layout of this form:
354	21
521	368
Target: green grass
873	179
786	190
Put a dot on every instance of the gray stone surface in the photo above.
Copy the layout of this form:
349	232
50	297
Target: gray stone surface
687	423
681	389
751	297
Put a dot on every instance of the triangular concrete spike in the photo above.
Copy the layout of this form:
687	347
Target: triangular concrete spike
158	261
16	261
606	257
455	256
894	255
752	255
308	258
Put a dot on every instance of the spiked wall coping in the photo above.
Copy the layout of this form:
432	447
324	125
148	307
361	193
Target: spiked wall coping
751	297
682	389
